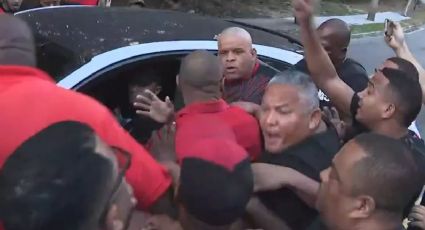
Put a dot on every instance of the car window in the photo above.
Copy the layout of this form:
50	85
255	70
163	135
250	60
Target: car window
277	64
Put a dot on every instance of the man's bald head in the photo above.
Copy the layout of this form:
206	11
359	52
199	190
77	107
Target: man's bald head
16	42
201	70
335	35
236	53
237	32
338	30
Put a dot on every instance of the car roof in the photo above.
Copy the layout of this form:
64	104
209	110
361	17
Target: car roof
75	34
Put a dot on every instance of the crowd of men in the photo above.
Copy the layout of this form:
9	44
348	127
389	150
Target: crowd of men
252	148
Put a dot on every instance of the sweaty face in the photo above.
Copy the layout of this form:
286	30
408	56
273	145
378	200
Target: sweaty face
14	5
374	100
334	201
237	56
337	52
284	118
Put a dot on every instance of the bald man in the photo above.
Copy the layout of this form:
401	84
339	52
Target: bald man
199	80
245	77
335	36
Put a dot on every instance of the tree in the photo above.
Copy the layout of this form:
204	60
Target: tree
373	9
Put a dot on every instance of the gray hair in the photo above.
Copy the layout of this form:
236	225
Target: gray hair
308	90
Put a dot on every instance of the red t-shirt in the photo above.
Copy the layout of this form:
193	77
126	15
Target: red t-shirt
217	118
30	101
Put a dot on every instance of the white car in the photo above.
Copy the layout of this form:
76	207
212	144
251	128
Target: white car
91	49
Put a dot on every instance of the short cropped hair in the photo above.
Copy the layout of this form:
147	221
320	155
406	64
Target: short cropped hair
55	180
405	66
388	173
308	90
408	94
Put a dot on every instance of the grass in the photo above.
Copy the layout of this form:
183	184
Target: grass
367	28
417	20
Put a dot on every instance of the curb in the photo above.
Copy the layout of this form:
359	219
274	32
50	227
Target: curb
407	29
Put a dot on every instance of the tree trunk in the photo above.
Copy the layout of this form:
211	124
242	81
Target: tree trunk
373	9
410	8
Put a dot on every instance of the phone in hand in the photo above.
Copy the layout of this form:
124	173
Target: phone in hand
389	28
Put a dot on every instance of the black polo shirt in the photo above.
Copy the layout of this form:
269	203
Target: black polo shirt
350	71
309	157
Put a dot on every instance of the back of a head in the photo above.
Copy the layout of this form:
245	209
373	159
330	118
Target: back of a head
388	173
340	30
55	180
308	90
407	91
16	42
201	70
216	183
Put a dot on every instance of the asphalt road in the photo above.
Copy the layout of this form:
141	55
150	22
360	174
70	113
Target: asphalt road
372	52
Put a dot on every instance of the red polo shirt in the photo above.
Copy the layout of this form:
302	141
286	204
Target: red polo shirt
217	118
30	101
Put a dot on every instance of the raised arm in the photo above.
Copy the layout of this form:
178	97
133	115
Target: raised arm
398	43
319	64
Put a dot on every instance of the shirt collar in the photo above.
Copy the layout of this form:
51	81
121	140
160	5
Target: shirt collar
23	71
204	107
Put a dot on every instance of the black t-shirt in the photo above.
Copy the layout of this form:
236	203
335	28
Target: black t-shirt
309	157
351	72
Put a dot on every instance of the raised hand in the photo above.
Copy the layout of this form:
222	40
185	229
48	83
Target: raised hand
396	41
303	11
150	105
417	217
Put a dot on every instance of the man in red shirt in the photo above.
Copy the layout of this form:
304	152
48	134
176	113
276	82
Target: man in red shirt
199	80
30	101
245	77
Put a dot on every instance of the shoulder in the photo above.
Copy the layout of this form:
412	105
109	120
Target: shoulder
351	66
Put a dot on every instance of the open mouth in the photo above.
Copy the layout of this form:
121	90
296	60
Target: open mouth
231	69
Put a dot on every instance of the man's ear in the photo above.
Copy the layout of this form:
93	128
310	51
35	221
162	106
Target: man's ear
389	111
113	222
254	52
315	119
363	207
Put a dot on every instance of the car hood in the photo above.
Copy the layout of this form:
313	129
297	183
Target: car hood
70	36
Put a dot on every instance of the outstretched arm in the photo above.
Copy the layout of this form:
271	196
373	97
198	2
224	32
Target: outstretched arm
398	43
268	177
319	64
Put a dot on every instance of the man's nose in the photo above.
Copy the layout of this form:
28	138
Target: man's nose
230	56
271	118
